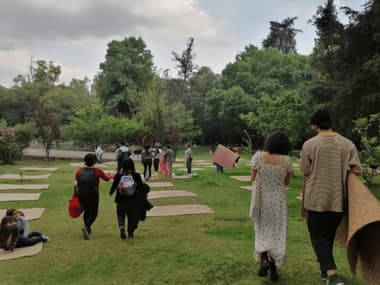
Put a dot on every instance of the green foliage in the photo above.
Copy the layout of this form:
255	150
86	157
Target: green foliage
92	126
42	71
24	134
282	36
369	130
127	70
278	86
184	61
10	145
47	126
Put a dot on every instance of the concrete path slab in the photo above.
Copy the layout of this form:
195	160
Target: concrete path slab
5	197
249	188
179	210
24	186
199	160
23	177
39	168
160	184
204	163
242	178
193	168
182	177
30	213
21	252
98	165
170	194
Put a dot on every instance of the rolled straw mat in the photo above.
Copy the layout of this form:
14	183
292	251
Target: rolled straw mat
179	210
360	231
21	252
5	197
30	214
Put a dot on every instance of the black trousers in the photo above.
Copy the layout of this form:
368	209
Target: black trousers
90	205
147	169
156	163
322	228
188	165
122	210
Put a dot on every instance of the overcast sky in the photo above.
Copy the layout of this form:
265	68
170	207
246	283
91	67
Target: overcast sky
74	33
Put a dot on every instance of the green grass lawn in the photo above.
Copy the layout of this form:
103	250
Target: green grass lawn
197	249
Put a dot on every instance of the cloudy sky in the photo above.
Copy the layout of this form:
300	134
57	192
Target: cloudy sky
75	33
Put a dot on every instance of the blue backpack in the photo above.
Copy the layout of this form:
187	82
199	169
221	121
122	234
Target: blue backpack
127	185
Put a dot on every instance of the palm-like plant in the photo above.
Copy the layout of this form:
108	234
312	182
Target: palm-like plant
282	36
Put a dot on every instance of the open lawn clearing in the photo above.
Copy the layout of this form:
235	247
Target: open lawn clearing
191	249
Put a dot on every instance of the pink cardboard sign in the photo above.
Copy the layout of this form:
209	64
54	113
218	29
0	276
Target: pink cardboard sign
224	156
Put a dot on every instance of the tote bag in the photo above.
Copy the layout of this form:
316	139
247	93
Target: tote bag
75	208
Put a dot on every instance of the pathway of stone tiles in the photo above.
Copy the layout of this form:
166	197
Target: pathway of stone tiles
23	177
7	197
39	168
160	184
179	210
30	213
242	178
24	186
170	194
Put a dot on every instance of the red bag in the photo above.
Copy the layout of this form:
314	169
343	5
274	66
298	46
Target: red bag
75	208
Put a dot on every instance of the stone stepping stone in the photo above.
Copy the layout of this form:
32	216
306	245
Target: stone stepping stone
296	165
170	194
204	163
24	186
242	178
160	184
21	252
193	168
23	177
199	160
79	164
179	210
249	188
6	197
182	177
30	213
39	168
252	187
179	165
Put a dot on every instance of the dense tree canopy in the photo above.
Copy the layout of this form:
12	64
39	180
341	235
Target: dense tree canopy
126	72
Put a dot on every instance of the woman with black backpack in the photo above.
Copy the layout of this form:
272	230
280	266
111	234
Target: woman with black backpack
131	198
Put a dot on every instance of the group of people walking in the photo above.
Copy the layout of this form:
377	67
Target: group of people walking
326	161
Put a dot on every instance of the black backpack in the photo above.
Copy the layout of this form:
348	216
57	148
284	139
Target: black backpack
87	181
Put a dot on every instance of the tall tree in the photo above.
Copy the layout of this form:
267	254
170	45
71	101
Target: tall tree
184	61
282	36
125	73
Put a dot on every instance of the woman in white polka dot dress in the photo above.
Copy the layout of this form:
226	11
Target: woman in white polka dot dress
271	169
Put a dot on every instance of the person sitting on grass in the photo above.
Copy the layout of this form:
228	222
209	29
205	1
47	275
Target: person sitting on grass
22	223
10	237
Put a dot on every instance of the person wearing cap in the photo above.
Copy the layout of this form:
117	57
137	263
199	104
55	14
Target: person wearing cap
326	160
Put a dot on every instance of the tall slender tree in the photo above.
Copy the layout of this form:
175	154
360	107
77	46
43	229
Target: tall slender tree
282	36
184	61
